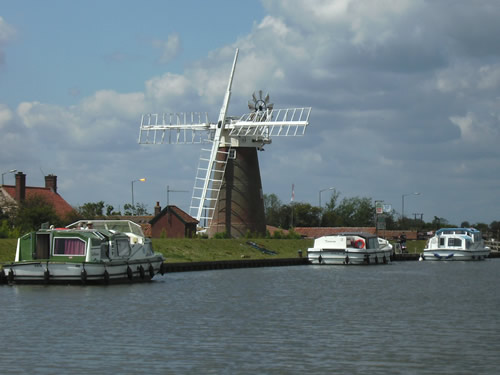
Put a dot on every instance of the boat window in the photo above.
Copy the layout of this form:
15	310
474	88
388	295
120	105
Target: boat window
123	246
454	242
350	242
441	241
372	243
69	246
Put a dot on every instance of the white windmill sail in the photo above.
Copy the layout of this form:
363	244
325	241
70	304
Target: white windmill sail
210	174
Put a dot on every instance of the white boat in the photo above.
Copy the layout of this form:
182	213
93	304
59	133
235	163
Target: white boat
456	244
97	251
350	248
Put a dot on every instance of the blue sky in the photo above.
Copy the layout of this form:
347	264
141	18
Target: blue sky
405	96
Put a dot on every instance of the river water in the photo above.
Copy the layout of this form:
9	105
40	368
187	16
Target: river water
403	318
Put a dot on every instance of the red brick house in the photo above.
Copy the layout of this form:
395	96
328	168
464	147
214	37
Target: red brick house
13	195
172	222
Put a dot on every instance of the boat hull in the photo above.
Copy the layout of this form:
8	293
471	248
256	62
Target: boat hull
31	272
456	255
338	257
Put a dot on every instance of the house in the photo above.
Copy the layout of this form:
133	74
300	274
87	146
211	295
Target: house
13	195
172	222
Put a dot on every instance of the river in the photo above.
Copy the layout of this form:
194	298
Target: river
402	318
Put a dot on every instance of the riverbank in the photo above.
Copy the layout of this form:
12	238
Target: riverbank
209	254
209	250
206	250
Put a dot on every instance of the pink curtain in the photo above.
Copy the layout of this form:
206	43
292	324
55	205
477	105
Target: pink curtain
69	246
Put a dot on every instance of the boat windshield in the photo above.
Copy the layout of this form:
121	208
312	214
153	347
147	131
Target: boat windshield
123	226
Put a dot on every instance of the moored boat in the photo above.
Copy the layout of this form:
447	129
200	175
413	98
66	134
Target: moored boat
350	248
85	252
456	244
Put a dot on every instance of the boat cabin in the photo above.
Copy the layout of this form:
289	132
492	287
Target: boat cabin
459	238
347	241
84	241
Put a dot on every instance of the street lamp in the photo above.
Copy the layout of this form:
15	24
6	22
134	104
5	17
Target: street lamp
403	204
11	171
322	190
140	179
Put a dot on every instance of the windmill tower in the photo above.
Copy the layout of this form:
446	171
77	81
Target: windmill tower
227	194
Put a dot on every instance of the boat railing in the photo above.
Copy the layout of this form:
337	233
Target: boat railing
494	245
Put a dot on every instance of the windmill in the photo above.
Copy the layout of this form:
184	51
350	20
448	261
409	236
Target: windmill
227	194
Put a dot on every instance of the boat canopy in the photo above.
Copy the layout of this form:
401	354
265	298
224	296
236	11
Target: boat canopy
122	226
457	231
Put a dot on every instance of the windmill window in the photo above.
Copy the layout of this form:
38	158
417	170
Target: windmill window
232	154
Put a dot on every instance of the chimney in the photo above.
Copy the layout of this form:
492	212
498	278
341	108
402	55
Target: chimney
51	182
20	187
157	209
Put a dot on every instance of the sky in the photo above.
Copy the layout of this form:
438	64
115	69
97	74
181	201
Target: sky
405	97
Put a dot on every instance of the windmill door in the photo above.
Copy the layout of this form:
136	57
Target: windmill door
42	248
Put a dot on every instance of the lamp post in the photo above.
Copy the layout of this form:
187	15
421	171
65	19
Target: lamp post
140	179
319	194
11	171
403	204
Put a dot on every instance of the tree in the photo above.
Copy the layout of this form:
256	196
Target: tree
495	229
91	210
484	228
330	217
109	210
439	222
139	209
356	212
306	215
272	207
35	211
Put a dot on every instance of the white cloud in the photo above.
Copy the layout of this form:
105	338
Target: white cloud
109	103
5	115
169	49
477	131
167	85
7	33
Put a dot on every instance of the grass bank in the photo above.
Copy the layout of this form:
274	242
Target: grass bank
205	250
198	250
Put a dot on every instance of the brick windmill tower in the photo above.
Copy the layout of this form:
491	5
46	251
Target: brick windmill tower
227	194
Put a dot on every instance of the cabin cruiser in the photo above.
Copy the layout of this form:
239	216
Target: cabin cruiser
350	248
456	244
97	251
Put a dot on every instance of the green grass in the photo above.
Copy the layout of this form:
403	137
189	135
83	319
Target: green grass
7	249
202	250
414	247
